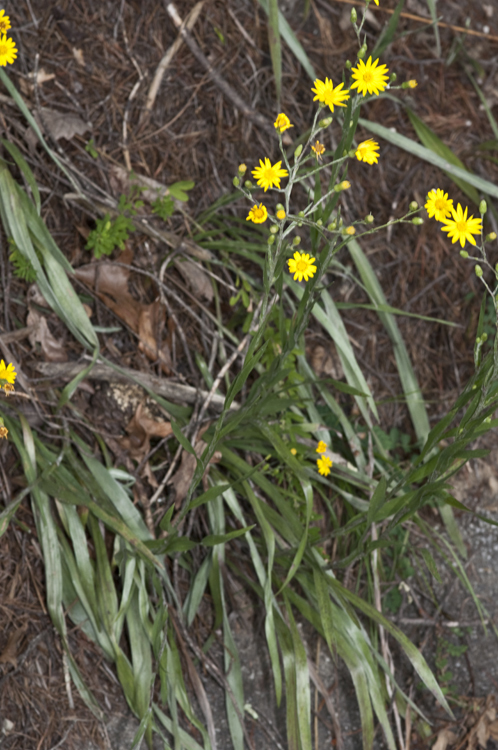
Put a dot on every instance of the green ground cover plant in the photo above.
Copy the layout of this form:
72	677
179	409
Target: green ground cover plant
283	440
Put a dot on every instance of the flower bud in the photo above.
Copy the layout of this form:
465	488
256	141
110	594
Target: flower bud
248	184
236	182
300	223
344	185
281	214
242	169
319	223
484	337
350	231
464	254
352	153
325	122
362	51
491	237
354	16
392	78
332	226
274	229
417	221
271	239
413	206
409	84
348	64
487	420
478	271
483	207
301	214
296	241
298	151
369	219
278	207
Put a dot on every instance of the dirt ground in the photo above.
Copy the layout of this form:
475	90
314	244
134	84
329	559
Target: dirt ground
87	65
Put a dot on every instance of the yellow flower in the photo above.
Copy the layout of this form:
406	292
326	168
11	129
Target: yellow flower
293	451
301	265
328	95
438	204
345	185
369	78
258	214
350	230
460	227
3	432
7	372
321	447
267	175
324	464
366	151
282	123
319	149
412	84
4	22
376	2
242	169
281	214
8	51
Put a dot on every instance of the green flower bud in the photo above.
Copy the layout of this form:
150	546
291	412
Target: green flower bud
236	182
274	229
279	207
296	241
369	219
319	223
348	64
300	223
332	226
354	16
464	254
478	271
413	206
484	338
248	184
491	237
298	151
417	221
487	420
362	51
271	239
301	214
483	207
351	153
325	122
393	78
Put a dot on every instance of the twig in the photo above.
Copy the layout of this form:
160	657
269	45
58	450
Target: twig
178	393
189	24
428	21
225	88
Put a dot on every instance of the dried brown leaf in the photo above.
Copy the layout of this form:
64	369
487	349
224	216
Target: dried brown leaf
140	429
9	654
196	278
182	478
52	349
445	737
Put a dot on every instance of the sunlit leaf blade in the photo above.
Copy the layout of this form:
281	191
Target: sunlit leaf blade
292	41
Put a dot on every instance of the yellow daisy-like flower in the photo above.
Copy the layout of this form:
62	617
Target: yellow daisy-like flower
3	432
257	214
369	78
301	265
460	228
7	372
293	451
319	149
267	175
4	22
321	447
282	123
328	95
324	464
281	214
366	151
8	51
376	2
412	83
438	204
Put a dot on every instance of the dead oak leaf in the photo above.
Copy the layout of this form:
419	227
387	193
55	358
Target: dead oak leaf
9	654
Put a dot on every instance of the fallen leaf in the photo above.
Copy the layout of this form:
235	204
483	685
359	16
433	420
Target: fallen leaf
445	737
140	429
195	277
52	349
182	478
110	283
61	124
9	654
